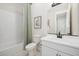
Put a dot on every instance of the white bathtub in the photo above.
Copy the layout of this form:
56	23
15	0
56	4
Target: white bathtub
15	50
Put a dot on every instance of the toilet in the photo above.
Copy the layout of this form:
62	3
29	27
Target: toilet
32	48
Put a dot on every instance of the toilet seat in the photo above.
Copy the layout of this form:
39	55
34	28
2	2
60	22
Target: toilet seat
30	45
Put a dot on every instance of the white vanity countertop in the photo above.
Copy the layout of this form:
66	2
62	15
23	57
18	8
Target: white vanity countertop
66	40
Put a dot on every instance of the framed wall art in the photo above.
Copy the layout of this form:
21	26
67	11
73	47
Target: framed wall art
37	22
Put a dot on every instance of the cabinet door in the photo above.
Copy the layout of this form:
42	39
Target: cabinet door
48	51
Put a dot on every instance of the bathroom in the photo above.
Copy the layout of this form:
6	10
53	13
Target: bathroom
60	28
39	29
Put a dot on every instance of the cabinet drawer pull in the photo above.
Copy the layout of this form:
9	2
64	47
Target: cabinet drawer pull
56	54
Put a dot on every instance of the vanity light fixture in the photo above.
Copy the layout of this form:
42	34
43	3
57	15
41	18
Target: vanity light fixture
55	4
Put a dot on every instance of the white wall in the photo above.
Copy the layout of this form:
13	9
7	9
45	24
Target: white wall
12	7
11	27
75	18
40	9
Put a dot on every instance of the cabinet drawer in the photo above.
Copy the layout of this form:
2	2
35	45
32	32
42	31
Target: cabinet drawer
62	48
49	44
48	52
51	52
69	50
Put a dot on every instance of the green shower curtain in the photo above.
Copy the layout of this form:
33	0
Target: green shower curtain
29	24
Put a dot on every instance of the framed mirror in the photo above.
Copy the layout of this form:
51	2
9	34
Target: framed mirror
62	20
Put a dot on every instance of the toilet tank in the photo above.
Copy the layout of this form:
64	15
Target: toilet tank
36	38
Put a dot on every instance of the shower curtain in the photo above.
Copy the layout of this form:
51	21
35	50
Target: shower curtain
27	24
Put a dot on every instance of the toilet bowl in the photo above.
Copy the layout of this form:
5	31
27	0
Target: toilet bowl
31	48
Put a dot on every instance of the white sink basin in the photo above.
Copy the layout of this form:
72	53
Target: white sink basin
51	36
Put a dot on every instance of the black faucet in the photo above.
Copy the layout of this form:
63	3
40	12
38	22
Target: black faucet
59	35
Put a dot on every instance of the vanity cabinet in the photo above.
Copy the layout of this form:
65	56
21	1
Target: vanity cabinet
59	47
46	51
